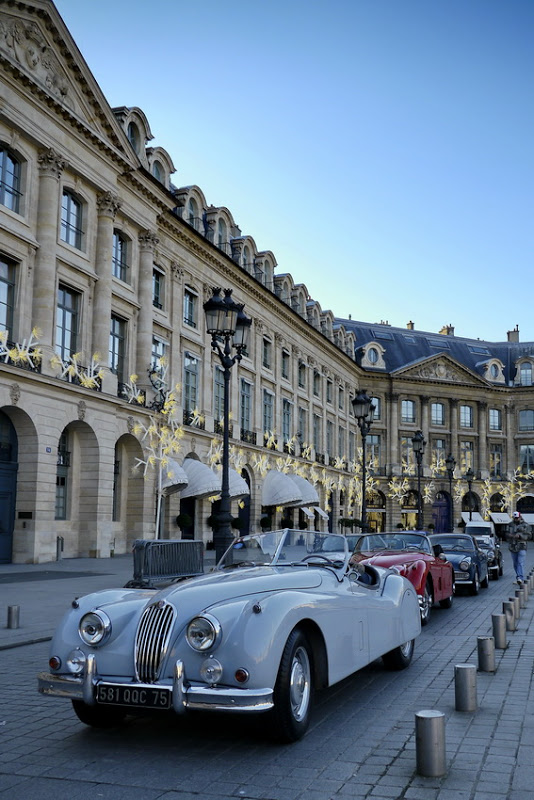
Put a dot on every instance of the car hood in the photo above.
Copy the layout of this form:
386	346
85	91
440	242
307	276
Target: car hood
392	559
196	594
456	556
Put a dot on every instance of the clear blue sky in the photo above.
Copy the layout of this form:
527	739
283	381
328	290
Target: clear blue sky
382	149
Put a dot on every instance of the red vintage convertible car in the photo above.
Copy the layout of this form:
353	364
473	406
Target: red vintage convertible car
411	553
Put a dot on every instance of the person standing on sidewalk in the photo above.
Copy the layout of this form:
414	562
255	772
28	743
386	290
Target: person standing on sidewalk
517	536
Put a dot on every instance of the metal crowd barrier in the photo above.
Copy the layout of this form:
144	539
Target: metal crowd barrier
165	560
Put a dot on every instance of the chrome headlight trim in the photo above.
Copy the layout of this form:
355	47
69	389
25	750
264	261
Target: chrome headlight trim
95	628
203	633
465	564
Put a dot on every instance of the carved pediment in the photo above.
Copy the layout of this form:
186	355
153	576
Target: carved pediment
440	368
44	53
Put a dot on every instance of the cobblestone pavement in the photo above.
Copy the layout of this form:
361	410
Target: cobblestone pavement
361	743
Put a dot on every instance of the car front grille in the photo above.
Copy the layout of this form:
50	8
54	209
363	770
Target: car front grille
461	576
152	640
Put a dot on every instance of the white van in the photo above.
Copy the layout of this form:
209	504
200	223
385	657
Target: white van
482	528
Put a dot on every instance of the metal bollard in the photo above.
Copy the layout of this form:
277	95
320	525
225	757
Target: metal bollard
465	687
526	590
430	743
486	653
522	598
498	622
517	607
13	616
508	609
60	541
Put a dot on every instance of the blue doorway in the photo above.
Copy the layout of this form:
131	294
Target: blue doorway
8	486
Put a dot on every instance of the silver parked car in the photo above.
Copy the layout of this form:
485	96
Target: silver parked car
281	615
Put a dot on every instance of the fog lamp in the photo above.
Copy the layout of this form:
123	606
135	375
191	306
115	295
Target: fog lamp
211	671
75	662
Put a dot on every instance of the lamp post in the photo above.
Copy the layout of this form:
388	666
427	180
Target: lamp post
450	464
363	408
470	476
418	444
229	327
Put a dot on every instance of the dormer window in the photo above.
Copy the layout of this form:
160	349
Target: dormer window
158	172
525	374
372	355
133	136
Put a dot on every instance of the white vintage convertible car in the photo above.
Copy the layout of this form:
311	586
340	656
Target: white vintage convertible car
281	615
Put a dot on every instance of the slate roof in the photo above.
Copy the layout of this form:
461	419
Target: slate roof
403	347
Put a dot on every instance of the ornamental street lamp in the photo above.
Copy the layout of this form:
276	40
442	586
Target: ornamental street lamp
470	477
363	408
450	464
229	327
418	444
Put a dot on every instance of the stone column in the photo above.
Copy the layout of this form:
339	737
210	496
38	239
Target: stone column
427	455
453	412
51	166
148	242
107	204
511	454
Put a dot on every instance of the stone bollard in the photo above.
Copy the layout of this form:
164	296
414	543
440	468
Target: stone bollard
519	593
498	622
486	653
430	743
13	616
508	609
465	687
525	589
517	607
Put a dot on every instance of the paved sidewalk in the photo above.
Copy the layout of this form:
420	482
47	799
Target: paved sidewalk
44	592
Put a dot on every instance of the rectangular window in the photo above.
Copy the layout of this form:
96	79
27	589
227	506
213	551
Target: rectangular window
341	398
218	395
317	433
62	473
9	180
316	384
466	416
302	375
373	453
438	455
119	258
467	452
437	414
71	220
158	285
495	419
341	450
268	412
285	364
190	308
352	445
190	383
330	438
7	295
67	313
526	458
377	413
495	460
408	461
329	391
246	405
266	354
407	411
525	374
526	419
117	341
302	432
287	414
159	351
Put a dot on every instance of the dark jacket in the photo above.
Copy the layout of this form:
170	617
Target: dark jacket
518	535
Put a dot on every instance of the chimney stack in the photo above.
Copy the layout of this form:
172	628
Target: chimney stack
410	325
513	336
447	330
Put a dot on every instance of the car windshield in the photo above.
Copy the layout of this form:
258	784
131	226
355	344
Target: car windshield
463	543
286	548
374	542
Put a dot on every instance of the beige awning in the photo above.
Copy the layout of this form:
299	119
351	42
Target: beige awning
309	513
279	489
321	513
529	518
475	516
500	517
203	482
174	478
309	496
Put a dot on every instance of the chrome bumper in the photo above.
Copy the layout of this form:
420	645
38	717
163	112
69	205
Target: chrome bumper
184	696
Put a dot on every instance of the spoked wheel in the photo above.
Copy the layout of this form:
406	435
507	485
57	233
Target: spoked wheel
98	716
293	692
426	605
400	657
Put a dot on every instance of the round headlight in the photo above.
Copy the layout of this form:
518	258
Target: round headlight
465	564
75	661
94	628
203	632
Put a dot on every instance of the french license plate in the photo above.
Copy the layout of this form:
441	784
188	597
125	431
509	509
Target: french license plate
133	696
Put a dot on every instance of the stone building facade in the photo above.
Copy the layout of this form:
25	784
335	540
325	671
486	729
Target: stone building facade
105	265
